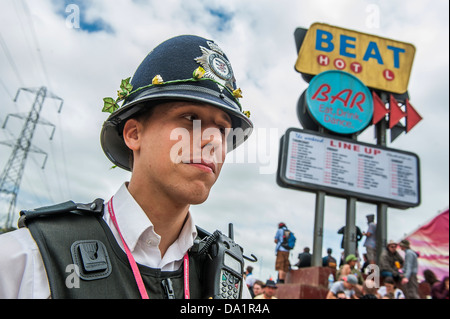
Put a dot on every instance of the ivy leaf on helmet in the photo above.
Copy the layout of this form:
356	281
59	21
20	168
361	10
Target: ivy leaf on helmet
125	89
125	85
109	105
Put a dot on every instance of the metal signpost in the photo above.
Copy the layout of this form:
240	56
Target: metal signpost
355	80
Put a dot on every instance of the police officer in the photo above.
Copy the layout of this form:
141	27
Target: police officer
180	116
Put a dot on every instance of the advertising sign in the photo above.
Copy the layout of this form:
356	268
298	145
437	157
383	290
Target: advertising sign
380	63
339	102
342	167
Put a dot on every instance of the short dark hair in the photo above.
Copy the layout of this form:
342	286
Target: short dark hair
389	280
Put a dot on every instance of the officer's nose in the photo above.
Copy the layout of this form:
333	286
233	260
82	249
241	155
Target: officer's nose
212	135
213	143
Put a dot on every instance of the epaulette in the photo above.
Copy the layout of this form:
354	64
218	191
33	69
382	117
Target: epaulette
69	207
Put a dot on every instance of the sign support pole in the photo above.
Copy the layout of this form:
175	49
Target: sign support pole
350	224
318	226
350	228
381	232
318	229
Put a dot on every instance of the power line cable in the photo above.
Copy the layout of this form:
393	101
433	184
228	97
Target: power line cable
63	152
10	59
6	89
47	79
34	61
36	43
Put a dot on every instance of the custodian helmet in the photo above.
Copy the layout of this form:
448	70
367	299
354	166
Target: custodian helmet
186	67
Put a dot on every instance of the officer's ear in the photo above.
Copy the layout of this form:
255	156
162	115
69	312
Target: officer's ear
131	134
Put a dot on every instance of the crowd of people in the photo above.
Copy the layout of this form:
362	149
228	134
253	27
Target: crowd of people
258	289
392	277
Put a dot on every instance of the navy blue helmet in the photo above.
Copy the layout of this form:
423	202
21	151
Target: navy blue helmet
188	68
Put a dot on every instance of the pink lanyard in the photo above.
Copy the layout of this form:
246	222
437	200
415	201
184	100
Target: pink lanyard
133	264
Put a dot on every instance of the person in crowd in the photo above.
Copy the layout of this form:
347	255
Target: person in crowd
359	236
269	290
347	284
430	277
249	279
390	261
349	268
328	260
371	239
430	280
368	290
183	89
258	288
410	268
282	264
304	258
440	289
389	288
364	268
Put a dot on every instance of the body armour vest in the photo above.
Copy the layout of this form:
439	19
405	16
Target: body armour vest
83	260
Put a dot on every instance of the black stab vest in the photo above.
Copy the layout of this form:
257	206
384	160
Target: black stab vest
83	240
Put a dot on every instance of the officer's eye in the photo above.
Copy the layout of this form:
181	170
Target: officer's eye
222	130
191	117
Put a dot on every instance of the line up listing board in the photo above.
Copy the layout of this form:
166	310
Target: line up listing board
346	168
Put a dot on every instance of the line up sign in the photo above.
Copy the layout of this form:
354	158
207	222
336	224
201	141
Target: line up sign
311	161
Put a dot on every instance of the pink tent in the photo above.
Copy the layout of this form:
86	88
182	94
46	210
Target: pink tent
431	242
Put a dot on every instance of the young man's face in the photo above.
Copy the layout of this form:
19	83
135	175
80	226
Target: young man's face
348	285
257	289
389	287
181	149
269	292
392	248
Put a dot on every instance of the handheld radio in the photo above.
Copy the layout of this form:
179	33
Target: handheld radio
223	265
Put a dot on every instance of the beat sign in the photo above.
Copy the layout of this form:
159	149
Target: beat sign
380	63
324	42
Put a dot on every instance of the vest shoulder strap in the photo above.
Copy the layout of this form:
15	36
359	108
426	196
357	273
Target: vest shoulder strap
83	260
95	208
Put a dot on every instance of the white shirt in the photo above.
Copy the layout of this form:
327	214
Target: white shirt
22	271
250	280
398	294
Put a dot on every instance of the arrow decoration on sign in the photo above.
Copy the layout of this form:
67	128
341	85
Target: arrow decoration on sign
396	131
379	109
396	113
412	117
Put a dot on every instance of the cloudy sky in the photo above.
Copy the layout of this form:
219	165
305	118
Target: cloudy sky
43	43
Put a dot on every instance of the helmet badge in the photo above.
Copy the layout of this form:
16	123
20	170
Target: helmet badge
216	66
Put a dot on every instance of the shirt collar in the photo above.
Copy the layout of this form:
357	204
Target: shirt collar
133	222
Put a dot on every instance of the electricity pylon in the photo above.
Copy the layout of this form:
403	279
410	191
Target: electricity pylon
12	173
